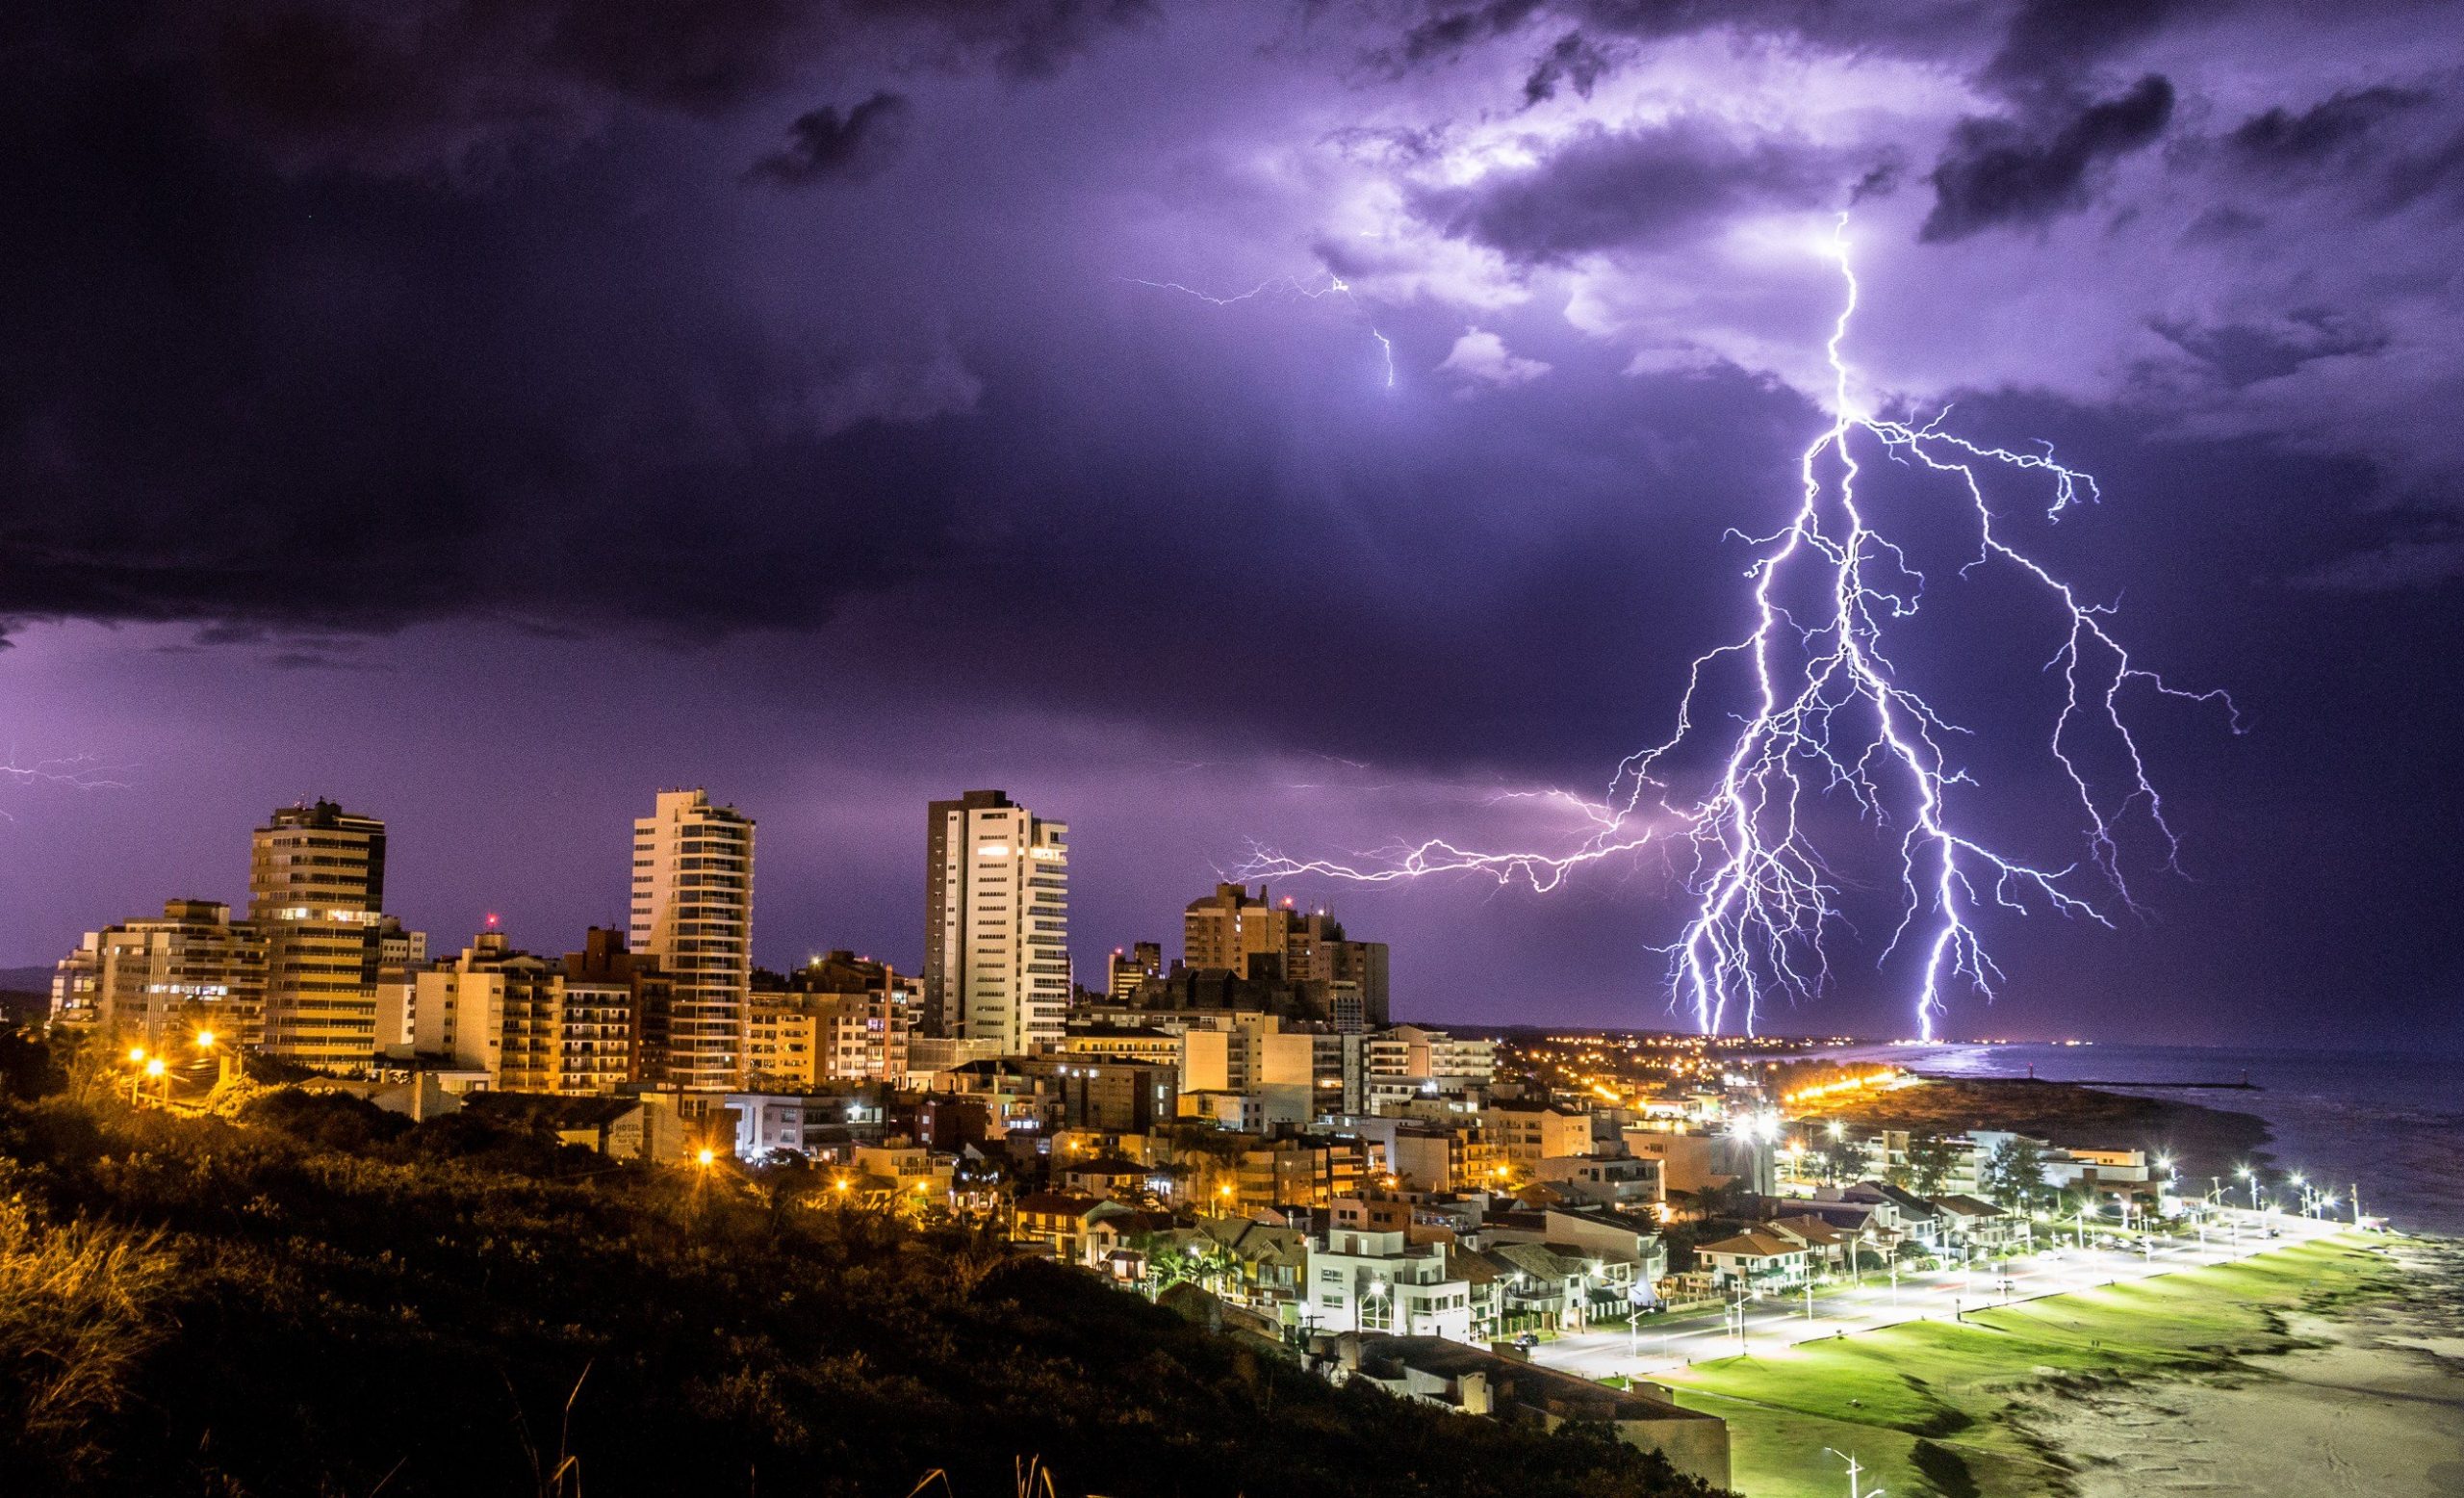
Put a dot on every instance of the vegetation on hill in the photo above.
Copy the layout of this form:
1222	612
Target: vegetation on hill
2205	1141
316	1299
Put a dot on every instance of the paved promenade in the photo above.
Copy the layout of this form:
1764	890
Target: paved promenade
1659	1344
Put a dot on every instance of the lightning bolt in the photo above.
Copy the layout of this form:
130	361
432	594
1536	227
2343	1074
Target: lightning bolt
1830	712
1285	285
75	772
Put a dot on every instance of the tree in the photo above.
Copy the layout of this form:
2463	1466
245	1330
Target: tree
1840	1159
2014	1172
1930	1159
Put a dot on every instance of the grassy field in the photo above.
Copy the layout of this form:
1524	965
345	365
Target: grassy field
1942	1409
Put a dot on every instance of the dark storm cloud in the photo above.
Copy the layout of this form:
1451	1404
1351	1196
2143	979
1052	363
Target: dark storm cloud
825	146
309	330
2053	40
2240	354
2380	150
1445	35
420	85
1453	30
2282	137
1606	189
2422	552
2003	172
1573	63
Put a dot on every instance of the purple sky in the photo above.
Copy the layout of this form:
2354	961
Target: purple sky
487	414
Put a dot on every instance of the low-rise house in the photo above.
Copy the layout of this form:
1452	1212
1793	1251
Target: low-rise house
1827	1247
1379	1282
1474	1382
1619	1181
621	1128
1756	1260
911	1168
1108	1176
1273	1258
1539	1287
1916	1219
1980	1225
1059	1223
1119	1242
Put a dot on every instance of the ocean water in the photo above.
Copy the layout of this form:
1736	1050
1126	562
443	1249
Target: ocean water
2391	1124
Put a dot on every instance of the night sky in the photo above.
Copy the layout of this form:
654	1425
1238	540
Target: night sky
488	413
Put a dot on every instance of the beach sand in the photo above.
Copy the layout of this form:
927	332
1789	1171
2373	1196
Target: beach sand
2376	1410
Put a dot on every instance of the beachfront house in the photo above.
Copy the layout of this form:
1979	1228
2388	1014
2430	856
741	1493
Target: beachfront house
1757	1261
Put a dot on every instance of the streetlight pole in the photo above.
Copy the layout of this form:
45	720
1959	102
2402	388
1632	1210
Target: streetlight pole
1855	1490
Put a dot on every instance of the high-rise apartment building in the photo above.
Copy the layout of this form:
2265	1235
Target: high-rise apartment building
692	914
315	888
996	923
196	969
1254	936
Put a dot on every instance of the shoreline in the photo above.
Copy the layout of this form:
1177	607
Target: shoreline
2371	1405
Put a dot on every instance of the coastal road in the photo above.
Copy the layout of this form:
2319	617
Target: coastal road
1660	1345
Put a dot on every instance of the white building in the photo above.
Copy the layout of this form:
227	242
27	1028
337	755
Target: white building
693	913
1411	1060
1378	1281
1612	1180
996	956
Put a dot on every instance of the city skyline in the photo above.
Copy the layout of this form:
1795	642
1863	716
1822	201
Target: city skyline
525	923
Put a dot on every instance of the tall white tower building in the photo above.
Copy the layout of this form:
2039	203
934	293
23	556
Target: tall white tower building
693	913
996	954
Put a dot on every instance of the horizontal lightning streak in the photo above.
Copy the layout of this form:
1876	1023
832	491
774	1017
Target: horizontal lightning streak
1336	286
74	772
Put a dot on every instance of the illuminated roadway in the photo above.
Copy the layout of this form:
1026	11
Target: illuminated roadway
1779	1319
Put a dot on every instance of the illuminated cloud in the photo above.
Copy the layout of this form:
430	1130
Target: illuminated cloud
1481	359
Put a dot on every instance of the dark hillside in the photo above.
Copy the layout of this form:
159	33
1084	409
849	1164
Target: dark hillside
313	1301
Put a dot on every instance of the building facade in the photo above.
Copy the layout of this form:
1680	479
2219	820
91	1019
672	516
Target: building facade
1254	936
194	970
996	956
317	891
1131	967
692	914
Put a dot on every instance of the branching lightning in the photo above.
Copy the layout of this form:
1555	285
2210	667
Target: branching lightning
1285	285
1829	713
